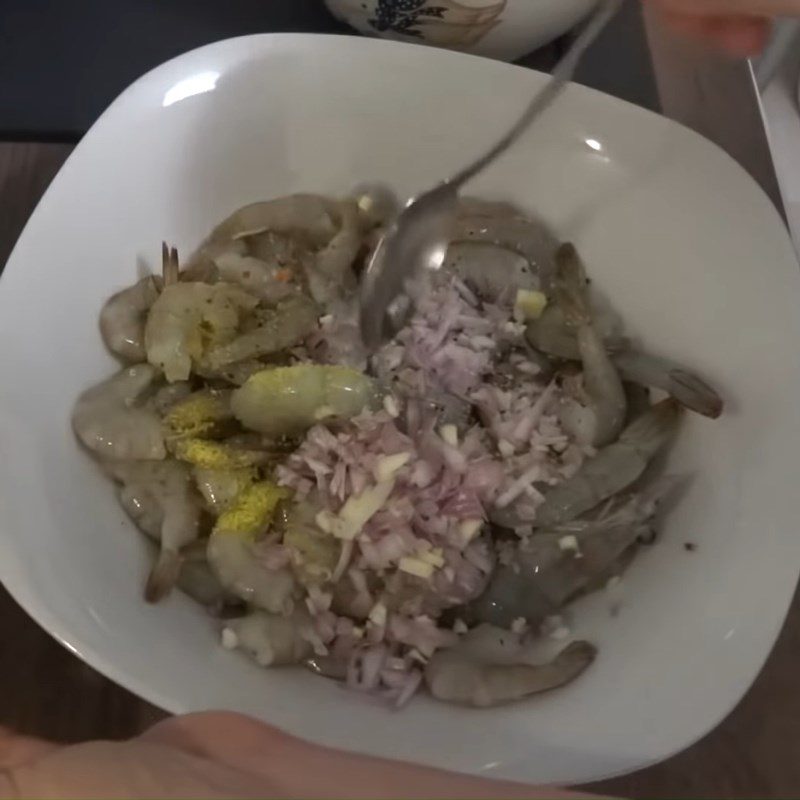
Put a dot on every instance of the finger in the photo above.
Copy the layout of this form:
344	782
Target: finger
307	770
725	8
221	735
739	36
16	750
742	37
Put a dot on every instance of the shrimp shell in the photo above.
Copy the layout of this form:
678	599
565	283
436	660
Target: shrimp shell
613	469
607	402
544	576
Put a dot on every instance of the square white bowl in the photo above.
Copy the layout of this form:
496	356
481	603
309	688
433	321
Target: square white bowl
689	249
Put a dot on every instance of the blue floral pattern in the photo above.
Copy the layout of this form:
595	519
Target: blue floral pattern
404	16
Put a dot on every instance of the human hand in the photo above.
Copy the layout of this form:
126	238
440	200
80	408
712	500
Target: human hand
740	27
222	755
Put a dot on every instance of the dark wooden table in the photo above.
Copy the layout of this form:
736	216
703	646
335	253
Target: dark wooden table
48	692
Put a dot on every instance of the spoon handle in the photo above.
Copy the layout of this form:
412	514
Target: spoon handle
560	77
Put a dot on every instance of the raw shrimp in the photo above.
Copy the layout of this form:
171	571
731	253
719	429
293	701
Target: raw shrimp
161	499
306	217
326	236
220	487
268	282
613	469
551	335
552	567
489	667
271	640
286	400
108	422
202	267
123	316
332	273
282	327
605	411
235	564
169	395
205	414
189	317
198	582
231	551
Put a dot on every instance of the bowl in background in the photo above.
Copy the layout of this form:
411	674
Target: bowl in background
503	29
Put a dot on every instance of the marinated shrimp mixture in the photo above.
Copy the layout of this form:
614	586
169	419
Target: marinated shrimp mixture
416	517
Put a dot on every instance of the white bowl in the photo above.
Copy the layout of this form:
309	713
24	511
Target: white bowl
688	247
506	29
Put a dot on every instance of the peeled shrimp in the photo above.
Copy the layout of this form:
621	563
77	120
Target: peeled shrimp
613	469
186	318
108	422
286	400
160	497
489	667
552	567
602	418
123	316
234	562
284	326
270	639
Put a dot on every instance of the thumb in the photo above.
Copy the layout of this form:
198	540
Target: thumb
17	749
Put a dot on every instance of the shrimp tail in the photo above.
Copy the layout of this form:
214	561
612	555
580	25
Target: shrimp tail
571	286
694	393
163	577
686	387
565	667
170	265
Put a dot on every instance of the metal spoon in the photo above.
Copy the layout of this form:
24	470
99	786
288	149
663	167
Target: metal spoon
419	237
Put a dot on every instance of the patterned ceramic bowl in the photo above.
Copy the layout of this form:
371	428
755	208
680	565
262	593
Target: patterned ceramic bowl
505	29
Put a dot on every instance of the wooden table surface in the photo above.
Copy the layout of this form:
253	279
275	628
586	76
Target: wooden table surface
47	691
